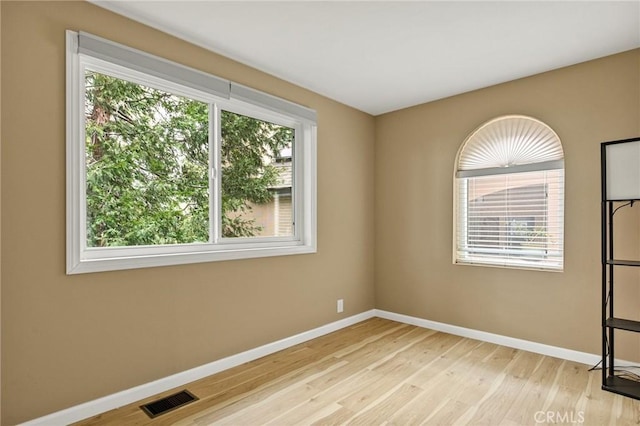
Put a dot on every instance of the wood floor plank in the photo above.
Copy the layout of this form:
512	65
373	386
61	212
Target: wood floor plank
334	411
328	395
448	412
490	409
338	417
593	402
471	379
630	412
363	397
534	394
380	372
386	405
417	410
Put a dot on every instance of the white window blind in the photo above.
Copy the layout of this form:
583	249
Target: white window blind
107	50
115	53
510	196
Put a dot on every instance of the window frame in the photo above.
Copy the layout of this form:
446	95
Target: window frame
461	227
249	102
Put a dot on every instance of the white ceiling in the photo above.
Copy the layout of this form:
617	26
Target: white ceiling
386	55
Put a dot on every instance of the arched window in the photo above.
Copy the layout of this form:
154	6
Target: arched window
509	203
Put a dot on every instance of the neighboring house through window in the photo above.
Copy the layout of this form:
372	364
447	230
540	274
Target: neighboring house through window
276	216
509	203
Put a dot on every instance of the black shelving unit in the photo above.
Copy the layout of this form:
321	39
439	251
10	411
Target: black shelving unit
612	201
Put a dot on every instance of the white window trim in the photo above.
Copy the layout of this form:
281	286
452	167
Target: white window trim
81	259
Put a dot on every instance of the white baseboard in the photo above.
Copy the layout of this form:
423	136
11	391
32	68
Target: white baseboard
511	342
110	402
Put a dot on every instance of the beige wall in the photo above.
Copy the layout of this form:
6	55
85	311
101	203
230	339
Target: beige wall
415	153
70	339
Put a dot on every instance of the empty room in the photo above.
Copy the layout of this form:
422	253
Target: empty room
296	213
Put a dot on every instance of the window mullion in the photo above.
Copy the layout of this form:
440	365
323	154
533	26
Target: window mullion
296	182
215	208
80	149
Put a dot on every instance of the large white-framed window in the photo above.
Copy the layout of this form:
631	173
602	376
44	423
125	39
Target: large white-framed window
168	165
509	196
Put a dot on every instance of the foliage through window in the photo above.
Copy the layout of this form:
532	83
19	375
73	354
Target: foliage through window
170	174
510	196
147	165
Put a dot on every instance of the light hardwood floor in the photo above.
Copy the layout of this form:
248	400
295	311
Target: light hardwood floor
384	372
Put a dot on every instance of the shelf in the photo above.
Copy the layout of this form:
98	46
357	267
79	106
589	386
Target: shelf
623	324
625	387
623	262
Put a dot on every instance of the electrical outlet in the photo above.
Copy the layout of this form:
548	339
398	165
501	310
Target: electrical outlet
340	305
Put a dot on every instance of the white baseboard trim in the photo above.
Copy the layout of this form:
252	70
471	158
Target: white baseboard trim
511	342
110	402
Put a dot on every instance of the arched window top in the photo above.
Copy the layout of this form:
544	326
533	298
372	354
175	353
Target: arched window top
510	144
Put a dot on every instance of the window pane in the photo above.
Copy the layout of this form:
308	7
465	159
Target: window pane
147	154
257	177
512	219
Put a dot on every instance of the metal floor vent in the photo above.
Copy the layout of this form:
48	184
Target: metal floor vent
169	403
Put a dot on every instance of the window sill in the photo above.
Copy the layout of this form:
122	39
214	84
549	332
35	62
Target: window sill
505	265
102	264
